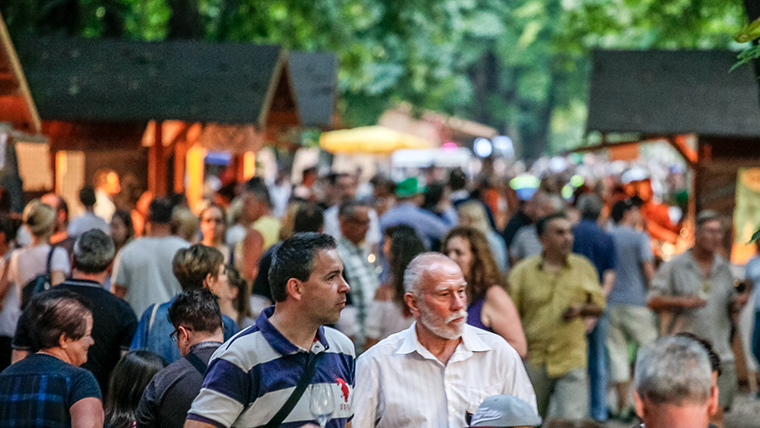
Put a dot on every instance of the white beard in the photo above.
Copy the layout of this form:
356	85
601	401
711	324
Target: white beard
443	327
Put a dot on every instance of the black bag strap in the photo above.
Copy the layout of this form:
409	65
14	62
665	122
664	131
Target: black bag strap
197	363
303	383
49	261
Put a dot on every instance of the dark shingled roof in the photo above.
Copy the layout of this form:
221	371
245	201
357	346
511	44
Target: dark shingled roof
315	81
76	79
673	92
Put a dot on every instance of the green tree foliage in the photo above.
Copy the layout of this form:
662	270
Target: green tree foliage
519	65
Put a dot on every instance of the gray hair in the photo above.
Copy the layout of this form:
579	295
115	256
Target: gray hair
417	269
590	206
674	370
93	251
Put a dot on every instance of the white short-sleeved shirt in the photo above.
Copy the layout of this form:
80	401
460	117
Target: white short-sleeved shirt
144	267
26	264
401	384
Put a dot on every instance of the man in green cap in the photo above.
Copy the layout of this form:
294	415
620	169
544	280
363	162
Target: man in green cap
409	196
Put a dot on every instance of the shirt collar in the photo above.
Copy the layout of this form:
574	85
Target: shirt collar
204	345
470	342
83	282
718	262
540	264
350	245
279	342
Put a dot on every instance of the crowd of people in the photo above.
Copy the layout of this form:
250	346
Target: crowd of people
398	304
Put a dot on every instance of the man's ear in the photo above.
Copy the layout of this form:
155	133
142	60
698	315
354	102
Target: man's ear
294	289
411	301
712	402
638	404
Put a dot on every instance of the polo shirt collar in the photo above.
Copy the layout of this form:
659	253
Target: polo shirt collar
280	343
204	345
83	282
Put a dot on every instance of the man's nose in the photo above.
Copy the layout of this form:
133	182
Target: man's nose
459	302
343	286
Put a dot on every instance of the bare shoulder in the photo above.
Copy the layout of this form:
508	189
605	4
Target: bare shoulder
384	293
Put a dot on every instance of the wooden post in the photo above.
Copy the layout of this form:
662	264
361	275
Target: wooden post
180	153
157	163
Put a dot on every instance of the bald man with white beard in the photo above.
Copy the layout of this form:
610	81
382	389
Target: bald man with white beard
431	374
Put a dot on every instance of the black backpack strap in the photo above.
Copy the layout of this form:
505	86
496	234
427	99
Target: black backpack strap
303	383
197	363
50	261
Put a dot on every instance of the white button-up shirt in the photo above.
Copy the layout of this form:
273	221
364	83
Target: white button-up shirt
399	383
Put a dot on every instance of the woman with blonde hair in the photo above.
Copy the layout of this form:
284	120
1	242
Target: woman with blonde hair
490	307
473	214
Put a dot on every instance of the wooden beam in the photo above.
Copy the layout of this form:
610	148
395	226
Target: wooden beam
180	155
678	142
606	145
35	124
157	163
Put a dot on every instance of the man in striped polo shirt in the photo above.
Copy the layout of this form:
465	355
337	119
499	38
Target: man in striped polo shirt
250	377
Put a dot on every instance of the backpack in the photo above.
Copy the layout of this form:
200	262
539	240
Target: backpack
39	284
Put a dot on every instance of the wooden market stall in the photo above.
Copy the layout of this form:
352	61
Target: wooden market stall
97	96
683	96
20	120
677	96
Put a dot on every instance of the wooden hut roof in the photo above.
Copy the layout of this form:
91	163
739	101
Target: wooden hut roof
673	92
104	80
315	80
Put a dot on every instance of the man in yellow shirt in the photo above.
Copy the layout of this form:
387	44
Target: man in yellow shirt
554	293
265	229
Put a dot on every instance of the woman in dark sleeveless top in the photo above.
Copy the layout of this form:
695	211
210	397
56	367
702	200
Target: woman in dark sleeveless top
490	307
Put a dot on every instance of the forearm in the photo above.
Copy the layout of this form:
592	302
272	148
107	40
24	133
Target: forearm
608	282
665	303
591	310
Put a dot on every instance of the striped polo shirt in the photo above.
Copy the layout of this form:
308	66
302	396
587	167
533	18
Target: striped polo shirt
250	377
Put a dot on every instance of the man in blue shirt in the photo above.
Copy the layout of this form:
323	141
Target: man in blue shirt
630	319
596	245
407	211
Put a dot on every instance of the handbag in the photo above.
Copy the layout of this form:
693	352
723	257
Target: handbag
303	383
40	283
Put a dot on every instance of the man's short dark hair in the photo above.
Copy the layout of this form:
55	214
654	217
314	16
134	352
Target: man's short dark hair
198	309
87	196
54	313
543	223
309	218
93	252
294	258
348	209
258	188
192	265
457	179
160	211
619	209
334	177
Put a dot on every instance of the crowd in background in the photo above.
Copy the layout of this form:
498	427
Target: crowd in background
566	270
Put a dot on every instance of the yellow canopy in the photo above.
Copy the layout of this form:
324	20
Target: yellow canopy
370	139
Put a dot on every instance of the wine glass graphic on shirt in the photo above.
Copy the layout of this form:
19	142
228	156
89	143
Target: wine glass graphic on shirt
322	403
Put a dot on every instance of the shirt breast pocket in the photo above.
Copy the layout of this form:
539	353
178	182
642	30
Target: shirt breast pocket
477	394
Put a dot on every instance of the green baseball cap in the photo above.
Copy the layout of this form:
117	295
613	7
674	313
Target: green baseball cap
409	187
